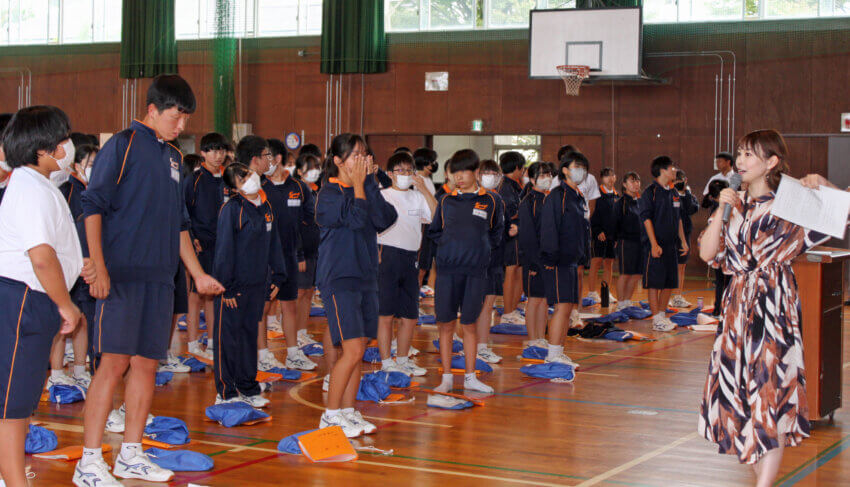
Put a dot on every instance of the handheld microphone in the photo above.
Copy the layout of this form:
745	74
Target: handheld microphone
735	184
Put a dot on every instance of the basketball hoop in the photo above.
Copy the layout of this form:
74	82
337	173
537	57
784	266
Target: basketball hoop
573	77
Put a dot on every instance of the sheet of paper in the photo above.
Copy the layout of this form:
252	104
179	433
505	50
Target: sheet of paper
823	210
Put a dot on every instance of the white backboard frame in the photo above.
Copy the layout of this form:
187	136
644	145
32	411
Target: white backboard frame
541	34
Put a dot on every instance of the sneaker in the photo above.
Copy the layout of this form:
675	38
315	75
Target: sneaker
205	356
317	301
411	352
611	297
172	364
487	355
473	384
269	362
394	367
594	296
350	430
357	420
455	337
575	320
299	361
427	291
562	358
140	467
412	369
221	400
540	342
621	305
326	383
256	401
513	318
83	380
95	474
679	301
63	380
274	328
115	421
195	347
663	324
272	322
304	338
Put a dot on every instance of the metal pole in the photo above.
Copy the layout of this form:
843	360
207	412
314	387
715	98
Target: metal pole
716	90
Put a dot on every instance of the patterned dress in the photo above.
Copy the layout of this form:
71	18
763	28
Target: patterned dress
756	386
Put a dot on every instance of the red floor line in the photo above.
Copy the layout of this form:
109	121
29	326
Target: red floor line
181	480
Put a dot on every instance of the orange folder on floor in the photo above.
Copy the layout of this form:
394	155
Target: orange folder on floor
263	376
327	445
68	453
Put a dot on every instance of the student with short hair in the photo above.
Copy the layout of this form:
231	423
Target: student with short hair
564	230
398	278
602	233
204	195
292	203
689	206
309	149
350	212
137	230
40	259
512	164
247	249
542	175
725	163
629	229
663	240
468	224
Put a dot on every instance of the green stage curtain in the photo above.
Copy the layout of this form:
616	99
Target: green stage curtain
353	38
607	3
148	42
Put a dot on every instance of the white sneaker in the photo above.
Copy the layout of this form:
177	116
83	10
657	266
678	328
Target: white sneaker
540	342
561	358
221	400
140	467
326	383
257	401
195	347
299	361
413	369
679	301
473	384
594	296
575	320
663	324
171	364
115	421
411	352
455	337
427	291
487	355
394	367
621	305
611	297
357	420
273	322
63	380
350	430
513	318
304	338
206	354
83	380
269	362
95	474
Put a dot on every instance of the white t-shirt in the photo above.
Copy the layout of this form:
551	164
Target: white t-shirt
590	189
33	212
428	184
413	211
721	176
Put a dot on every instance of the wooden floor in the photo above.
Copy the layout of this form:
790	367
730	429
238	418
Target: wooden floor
629	419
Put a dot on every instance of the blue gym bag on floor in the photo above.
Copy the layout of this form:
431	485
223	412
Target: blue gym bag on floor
180	460
549	371
168	430
40	440
234	413
290	445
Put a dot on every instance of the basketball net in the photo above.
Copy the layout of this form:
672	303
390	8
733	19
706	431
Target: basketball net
573	77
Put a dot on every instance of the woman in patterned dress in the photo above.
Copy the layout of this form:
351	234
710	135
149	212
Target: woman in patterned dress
754	401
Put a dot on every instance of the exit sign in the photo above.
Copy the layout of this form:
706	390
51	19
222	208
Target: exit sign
845	122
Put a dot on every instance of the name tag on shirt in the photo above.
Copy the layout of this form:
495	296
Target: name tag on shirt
269	226
175	174
292	203
676	204
479	214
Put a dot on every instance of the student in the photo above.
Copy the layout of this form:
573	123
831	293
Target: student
721	280
512	164
689	206
307	171
726	165
350	212
757	358
490	180
40	259
309	149
137	229
603	233
663	237
204	196
425	160
247	247
564	230
628	230
468	224
426	165
292	203
5	169
398	246
542	175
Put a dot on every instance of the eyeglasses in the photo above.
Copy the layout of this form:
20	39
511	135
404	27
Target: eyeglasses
402	171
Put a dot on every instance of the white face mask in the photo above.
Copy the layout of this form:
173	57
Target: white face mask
271	170
490	181
543	184
5	166
251	185
526	180
578	174
403	181
66	162
312	175
290	169
87	174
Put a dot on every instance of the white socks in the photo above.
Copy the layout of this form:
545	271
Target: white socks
482	347
129	450
554	351
401	360
387	362
330	413
446	384
658	317
91	455
56	373
79	370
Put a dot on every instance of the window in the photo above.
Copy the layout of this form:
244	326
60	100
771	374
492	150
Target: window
527	145
196	19
59	21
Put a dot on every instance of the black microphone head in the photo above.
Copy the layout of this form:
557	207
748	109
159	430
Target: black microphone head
735	182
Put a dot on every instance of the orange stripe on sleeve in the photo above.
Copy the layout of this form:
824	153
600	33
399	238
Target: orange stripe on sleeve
126	152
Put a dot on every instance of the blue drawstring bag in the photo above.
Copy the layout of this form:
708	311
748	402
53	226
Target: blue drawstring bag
168	430
427	320
549	371
163	378
290	443
536	353
288	374
373	387
501	310
62	394
645	305
313	349
194	364
40	440
618	335
615	317
234	413
636	313
523	298
372	355
509	329
457	345
587	302
317	311
459	362
180	460
686	319
394	379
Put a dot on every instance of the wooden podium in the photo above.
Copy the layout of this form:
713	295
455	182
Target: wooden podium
820	279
